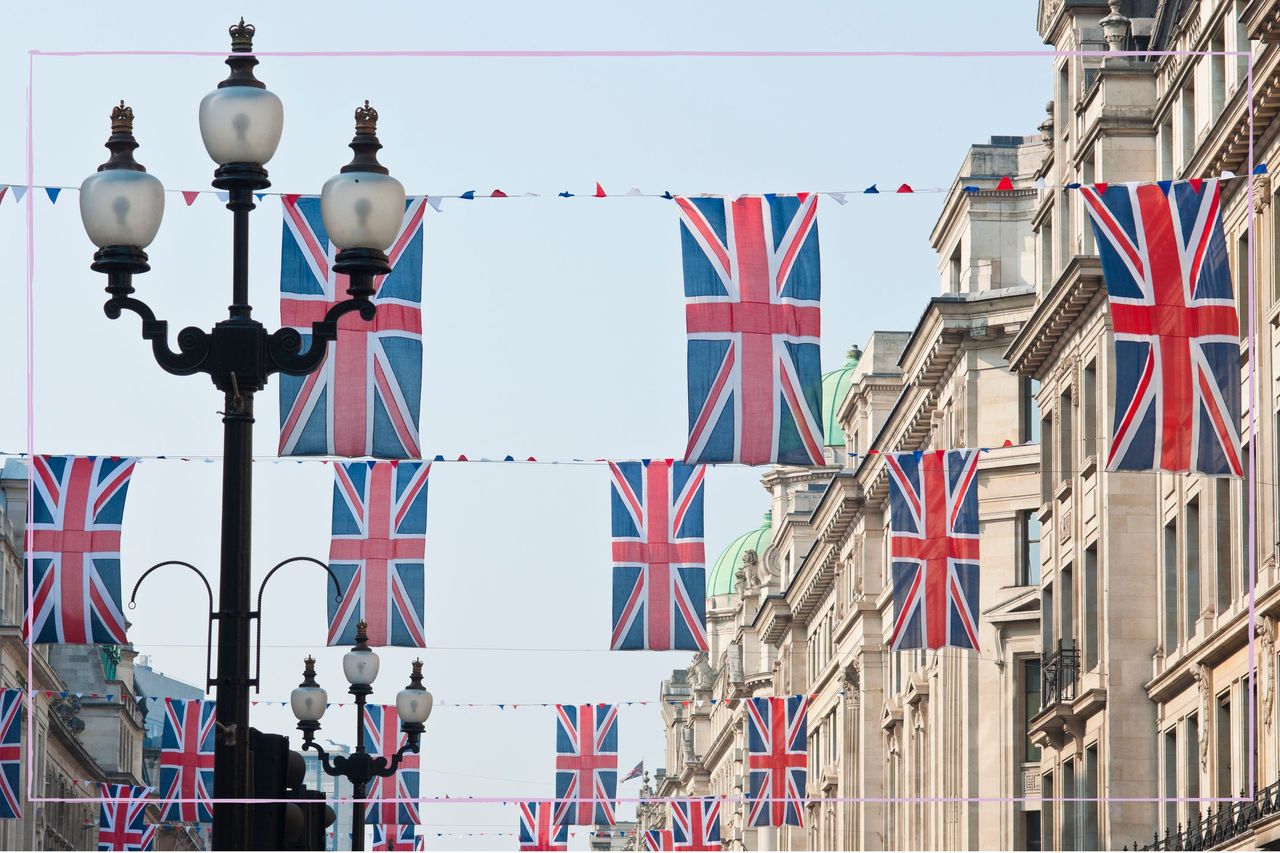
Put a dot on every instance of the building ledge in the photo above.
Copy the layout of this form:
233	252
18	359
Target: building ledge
1056	312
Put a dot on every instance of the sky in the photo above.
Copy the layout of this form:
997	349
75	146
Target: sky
552	328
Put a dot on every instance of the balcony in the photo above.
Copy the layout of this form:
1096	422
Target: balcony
1225	826
1059	680
1059	675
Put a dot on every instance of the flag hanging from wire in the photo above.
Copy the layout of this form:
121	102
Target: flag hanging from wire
752	288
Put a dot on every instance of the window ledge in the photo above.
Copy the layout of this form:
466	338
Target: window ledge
1090	466
1063	491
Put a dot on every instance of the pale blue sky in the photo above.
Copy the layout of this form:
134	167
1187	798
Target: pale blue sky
553	328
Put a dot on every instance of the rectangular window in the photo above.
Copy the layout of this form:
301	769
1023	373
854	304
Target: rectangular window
1090	806
1192	559
1169	760
1030	705
1242	45
954	271
1066	452
1242	504
1029	411
1028	548
1068	623
1242	284
1223	543
1222	746
1046	257
1069	805
1191	762
1032	831
1047	478
1187	106
1275	245
1166	151
1046	618
1088	176
1092	608
1217	78
1170	587
1245	746
1089	391
1046	811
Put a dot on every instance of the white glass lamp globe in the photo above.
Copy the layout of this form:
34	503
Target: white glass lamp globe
241	124
121	207
414	706
362	210
360	666
308	703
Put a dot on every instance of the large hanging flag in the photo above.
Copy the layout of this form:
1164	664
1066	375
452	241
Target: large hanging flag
586	764
777	760
696	823
538	829
659	839
122	818
1177	340
186	761
74	545
383	737
933	539
397	837
377	552
659	564
10	753
364	400
752	285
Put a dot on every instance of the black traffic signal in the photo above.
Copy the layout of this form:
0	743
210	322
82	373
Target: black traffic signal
278	774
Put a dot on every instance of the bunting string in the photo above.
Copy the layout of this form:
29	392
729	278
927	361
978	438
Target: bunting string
1004	184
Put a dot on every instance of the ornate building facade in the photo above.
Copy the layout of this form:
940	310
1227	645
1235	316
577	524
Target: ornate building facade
1119	688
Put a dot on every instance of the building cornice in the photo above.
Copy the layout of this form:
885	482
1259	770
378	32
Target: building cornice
1074	290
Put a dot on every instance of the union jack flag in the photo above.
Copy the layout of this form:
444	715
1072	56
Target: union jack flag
377	551
122	819
397	837
186	760
382	734
10	753
752	286
659	564
364	400
538	830
777	760
586	764
933	537
659	839
1177	340
74	546
696	823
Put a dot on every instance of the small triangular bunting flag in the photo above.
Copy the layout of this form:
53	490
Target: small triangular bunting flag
1006	183
189	196
53	194
599	190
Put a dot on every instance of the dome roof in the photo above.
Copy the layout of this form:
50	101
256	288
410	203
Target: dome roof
722	579
835	385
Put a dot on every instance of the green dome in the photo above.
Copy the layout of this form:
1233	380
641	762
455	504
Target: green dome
835	385
722	578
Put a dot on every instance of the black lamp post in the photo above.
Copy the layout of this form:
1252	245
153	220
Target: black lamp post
122	205
413	706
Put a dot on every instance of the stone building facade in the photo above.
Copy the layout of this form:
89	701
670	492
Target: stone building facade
1119	679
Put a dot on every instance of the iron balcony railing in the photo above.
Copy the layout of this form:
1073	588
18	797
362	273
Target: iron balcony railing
1217	828
1059	672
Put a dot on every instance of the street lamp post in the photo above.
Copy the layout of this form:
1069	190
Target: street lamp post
309	701
121	206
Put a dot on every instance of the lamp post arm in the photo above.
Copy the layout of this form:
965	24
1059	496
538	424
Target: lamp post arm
384	767
285	344
332	767
193	344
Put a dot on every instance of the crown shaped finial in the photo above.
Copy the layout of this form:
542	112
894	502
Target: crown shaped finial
122	119
242	37
366	119
415	679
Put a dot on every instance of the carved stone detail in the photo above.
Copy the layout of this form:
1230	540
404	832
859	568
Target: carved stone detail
1201	675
